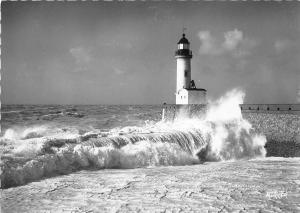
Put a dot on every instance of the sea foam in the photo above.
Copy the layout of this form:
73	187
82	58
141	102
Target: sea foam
222	134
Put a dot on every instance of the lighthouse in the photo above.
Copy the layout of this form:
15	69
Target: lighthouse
186	90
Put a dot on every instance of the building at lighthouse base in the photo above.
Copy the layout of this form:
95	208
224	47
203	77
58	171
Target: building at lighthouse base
191	96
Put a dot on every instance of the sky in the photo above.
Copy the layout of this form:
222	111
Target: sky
123	52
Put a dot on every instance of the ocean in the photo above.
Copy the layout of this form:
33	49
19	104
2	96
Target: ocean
31	133
112	150
82	117
41	141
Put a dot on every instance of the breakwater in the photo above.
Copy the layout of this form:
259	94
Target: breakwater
280	123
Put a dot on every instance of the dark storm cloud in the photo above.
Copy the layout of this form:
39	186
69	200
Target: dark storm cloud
123	52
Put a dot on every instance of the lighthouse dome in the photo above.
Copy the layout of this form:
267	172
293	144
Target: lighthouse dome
183	40
183	48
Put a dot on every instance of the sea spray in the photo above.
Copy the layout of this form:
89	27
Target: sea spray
232	136
227	135
222	134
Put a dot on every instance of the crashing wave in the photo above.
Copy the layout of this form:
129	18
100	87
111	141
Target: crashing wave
44	151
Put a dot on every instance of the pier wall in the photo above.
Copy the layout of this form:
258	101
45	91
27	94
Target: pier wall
271	108
280	123
172	111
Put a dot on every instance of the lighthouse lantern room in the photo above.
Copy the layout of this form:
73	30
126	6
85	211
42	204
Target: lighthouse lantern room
186	91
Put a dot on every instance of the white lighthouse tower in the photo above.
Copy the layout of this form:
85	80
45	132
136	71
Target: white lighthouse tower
186	91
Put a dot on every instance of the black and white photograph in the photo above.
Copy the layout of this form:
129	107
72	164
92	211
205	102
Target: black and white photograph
150	106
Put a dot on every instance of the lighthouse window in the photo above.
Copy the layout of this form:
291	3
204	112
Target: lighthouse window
185	73
183	46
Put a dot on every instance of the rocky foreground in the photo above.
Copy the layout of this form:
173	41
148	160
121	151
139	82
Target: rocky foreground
269	185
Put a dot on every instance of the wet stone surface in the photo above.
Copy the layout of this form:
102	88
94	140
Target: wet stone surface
269	185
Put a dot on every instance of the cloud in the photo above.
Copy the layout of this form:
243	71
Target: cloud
234	43
282	45
232	39
119	71
208	44
82	57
